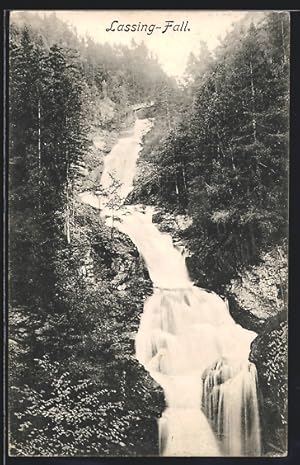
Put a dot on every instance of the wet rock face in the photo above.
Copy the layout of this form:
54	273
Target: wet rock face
144	400
175	225
269	353
260	292
171	223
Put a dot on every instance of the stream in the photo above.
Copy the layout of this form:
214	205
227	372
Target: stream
187	339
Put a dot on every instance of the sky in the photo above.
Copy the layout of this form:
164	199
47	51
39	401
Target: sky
172	47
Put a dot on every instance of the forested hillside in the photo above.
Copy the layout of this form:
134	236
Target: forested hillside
215	166
225	163
67	326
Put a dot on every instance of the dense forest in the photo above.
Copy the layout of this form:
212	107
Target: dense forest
64	313
217	155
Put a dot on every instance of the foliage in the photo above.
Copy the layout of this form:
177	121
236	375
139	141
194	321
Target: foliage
269	353
70	416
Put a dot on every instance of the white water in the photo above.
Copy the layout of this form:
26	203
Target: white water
187	339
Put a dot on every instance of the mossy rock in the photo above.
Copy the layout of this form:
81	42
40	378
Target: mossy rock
269	353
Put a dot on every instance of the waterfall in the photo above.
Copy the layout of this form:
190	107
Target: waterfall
230	403
187	339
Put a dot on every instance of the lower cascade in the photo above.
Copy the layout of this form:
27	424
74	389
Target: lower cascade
195	351
187	339
230	404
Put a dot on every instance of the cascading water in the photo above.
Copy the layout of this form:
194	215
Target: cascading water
187	339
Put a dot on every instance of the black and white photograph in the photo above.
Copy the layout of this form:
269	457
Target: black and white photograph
148	178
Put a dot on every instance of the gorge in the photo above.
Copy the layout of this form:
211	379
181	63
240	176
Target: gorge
187	339
148	237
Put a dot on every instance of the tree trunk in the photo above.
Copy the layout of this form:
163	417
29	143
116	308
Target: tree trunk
112	227
68	231
184	178
39	153
283	43
176	186
39	137
168	114
253	102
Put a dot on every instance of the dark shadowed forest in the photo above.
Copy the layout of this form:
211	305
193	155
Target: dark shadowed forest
214	166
